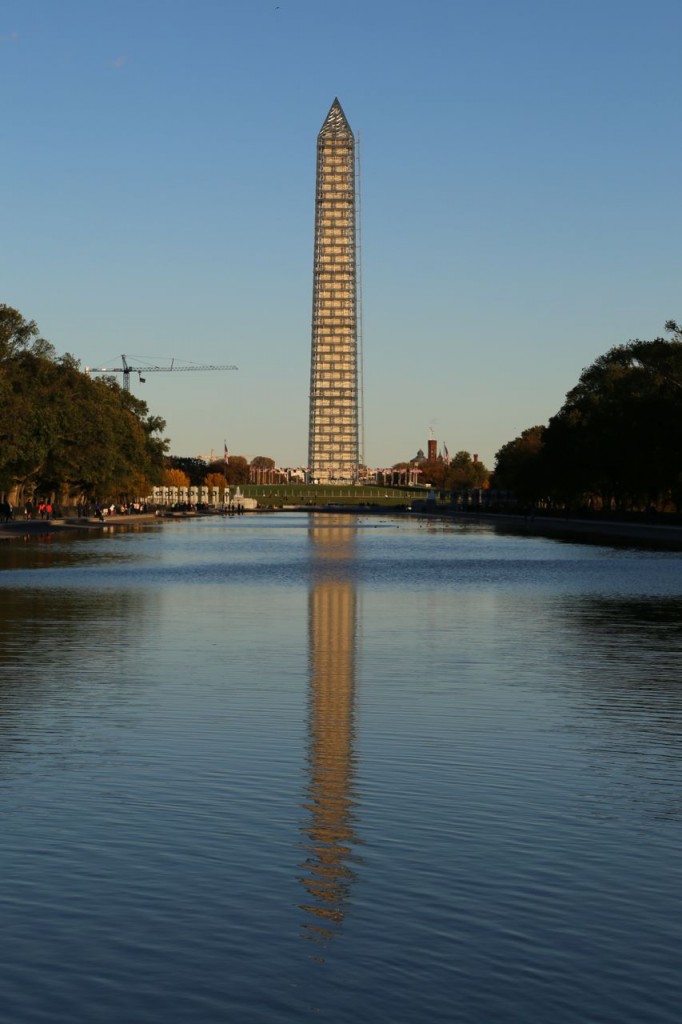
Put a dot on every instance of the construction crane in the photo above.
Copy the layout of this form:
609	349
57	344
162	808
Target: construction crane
126	369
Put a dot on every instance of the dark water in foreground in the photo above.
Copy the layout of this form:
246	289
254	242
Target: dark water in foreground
280	769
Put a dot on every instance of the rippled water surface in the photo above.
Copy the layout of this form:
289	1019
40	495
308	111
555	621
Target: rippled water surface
278	769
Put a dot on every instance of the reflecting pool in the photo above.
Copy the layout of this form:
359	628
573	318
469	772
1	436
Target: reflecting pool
289	768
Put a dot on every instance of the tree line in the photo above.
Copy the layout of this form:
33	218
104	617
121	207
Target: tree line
64	435
462	472
616	442
182	471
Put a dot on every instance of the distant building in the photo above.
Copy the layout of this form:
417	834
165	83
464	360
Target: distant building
333	435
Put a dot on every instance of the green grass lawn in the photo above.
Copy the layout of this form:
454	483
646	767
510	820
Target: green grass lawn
323	494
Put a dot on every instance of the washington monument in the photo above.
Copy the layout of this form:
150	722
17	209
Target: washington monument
333	436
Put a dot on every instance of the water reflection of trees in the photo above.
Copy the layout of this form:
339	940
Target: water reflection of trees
329	826
65	549
53	641
640	637
623	663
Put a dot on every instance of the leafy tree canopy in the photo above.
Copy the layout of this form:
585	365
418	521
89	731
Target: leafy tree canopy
517	465
174	478
461	473
237	470
216	481
63	433
193	467
18	334
616	442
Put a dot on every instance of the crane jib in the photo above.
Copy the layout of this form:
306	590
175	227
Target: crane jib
126	369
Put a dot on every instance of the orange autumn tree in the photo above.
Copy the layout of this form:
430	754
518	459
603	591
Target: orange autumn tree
175	478
215	481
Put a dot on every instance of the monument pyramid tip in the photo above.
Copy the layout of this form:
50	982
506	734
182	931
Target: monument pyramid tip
336	121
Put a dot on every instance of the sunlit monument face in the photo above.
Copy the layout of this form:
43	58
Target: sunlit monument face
333	446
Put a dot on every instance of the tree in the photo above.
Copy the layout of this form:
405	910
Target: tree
175	478
237	470
617	440
215	481
18	334
434	472
466	473
194	468
63	433
262	462
519	466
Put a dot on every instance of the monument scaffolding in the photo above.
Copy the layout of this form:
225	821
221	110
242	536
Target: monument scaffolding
334	437
358	307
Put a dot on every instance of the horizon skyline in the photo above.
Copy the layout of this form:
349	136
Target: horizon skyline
160	170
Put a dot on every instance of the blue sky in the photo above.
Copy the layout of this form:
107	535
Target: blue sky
520	201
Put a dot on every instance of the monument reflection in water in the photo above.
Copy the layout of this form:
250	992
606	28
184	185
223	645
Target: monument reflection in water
328	829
